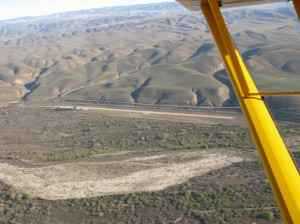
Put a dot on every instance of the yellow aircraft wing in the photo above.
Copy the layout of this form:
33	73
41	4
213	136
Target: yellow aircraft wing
194	5
278	163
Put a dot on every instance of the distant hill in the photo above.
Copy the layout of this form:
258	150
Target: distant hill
151	54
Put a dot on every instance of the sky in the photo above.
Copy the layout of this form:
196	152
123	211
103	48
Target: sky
20	8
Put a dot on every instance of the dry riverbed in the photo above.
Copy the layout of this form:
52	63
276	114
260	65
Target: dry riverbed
114	176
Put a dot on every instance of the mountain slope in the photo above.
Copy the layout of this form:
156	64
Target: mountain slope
151	54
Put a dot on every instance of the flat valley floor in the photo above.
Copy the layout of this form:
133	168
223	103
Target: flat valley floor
102	166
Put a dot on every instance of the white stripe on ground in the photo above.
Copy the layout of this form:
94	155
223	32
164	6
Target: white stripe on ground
145	112
72	180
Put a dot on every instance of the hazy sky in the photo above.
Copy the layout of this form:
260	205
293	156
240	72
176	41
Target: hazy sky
19	8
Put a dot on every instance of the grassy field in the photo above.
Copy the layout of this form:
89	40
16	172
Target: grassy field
237	194
48	136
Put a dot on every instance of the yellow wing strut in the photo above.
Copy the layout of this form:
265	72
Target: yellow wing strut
279	165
